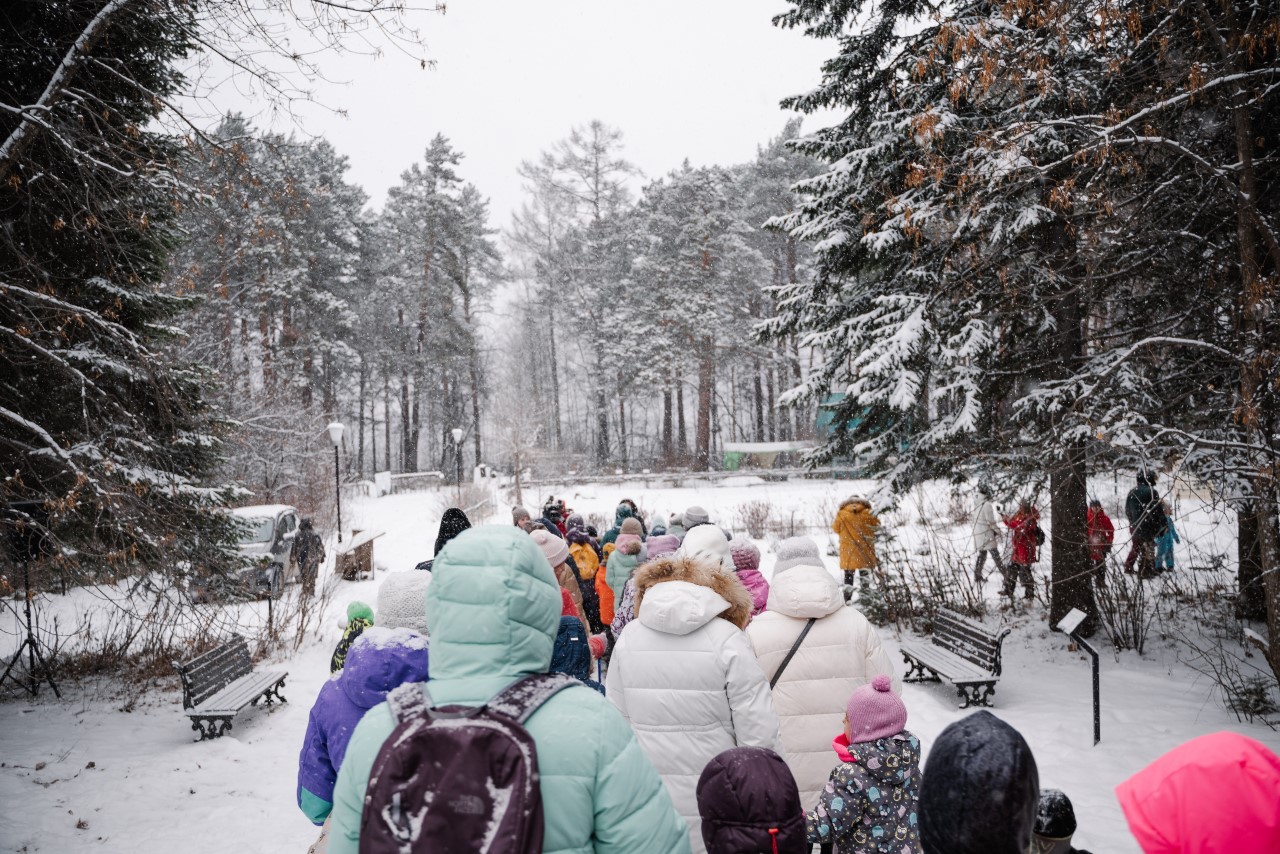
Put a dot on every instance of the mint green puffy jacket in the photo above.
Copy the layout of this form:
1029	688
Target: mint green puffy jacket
494	608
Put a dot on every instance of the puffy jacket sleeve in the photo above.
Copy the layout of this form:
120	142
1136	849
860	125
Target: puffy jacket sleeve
633	811
316	774
878	660
613	687
353	779
755	721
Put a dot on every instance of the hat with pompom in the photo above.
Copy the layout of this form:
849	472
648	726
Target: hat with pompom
875	711
745	555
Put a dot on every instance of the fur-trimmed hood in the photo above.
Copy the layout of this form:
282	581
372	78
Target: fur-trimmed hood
857	502
701	573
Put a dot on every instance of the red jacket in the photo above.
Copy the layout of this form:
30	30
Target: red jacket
1216	793
1024	536
1101	533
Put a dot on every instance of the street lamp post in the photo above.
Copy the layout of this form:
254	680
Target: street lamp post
335	436
457	455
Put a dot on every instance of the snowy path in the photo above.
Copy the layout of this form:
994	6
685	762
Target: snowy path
153	789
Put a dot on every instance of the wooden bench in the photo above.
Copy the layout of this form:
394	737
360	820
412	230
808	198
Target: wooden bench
219	684
964	652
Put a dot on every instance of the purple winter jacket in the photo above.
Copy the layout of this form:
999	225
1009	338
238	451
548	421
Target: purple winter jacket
379	660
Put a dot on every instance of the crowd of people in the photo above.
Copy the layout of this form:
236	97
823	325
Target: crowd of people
542	686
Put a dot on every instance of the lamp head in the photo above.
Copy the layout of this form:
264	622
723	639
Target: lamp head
335	433
457	435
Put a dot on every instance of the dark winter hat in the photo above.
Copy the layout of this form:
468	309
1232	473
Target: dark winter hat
745	555
984	489
875	712
1093	502
980	790
571	653
306	523
695	516
749	802
796	551
452	523
1146	477
575	522
1055	818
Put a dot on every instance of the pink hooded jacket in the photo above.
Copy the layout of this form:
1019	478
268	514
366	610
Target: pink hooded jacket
1215	794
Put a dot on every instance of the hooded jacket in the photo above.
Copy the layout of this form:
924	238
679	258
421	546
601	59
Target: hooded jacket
841	652
379	660
871	802
748	802
856	525
625	609
494	610
1023	526
584	553
622	562
622	514
684	677
980	789
1142	509
1215	794
572	653
986	527
1100	531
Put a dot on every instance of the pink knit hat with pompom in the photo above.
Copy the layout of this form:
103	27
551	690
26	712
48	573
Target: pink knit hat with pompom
745	555
875	711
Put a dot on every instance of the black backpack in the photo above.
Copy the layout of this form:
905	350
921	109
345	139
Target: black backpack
459	778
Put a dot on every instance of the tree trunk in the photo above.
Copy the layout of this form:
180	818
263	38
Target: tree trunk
757	391
682	434
555	376
622	427
1071	577
706	389
771	423
364	379
1252	604
666	427
602	424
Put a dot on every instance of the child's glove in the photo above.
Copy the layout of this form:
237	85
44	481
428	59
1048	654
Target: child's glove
598	645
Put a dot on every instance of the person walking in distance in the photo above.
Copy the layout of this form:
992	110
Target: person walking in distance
308	553
1164	543
857	526
1101	535
1027	539
1146	525
987	533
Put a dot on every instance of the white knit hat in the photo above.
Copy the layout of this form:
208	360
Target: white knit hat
709	542
402	601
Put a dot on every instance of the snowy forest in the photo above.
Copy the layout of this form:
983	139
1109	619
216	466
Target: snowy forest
1023	245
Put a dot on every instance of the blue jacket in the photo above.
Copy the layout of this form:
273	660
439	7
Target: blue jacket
572	653
379	660
494	611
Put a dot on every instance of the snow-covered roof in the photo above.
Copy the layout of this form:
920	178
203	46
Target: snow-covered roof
258	511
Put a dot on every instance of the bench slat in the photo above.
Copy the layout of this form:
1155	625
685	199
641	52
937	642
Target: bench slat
239	694
953	667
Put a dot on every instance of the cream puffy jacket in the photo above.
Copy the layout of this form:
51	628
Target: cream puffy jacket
685	678
986	527
841	652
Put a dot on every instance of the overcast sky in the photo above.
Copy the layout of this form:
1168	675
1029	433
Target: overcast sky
682	78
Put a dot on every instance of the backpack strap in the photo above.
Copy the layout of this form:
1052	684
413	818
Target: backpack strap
792	652
409	700
522	698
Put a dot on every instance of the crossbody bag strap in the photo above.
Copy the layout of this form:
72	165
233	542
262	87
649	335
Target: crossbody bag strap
792	652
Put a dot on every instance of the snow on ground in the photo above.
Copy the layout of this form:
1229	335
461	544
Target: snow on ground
139	782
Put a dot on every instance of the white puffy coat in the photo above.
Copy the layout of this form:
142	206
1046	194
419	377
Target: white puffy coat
685	678
986	528
841	652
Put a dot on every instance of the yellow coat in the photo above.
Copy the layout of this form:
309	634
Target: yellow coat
856	525
585	558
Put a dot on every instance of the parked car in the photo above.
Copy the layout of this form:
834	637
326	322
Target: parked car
268	532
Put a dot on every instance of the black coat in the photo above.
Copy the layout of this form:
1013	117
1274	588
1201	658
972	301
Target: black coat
743	794
980	790
1143	510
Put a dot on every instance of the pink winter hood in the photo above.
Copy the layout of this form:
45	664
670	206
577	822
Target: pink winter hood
1215	794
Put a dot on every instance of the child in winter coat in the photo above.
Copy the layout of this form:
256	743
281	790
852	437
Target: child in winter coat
746	560
359	618
1025	525
625	611
870	804
749	804
1101	535
1164	542
572	652
625	557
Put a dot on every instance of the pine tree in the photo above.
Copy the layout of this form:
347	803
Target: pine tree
107	443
